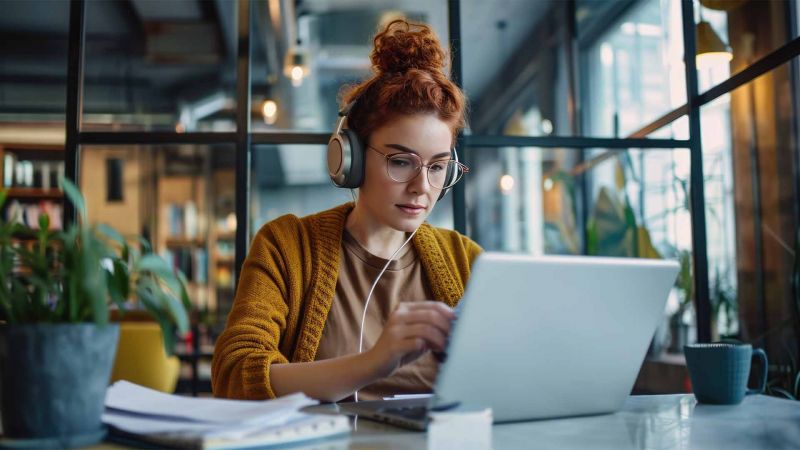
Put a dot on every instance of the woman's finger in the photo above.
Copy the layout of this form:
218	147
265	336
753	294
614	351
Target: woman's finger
435	339
432	317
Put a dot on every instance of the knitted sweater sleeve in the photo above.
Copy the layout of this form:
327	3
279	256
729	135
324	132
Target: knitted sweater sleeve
247	348
472	248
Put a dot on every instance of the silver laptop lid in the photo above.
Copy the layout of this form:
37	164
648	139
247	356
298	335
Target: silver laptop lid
553	336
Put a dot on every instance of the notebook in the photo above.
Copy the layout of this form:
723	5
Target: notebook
142	414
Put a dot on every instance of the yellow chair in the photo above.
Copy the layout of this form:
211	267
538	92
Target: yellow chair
141	358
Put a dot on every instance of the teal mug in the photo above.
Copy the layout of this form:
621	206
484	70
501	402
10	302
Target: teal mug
719	371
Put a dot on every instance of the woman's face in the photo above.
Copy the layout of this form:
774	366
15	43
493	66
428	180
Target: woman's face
403	206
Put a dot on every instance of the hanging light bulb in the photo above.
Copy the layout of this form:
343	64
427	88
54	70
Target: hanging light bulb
269	111
711	50
295	66
506	183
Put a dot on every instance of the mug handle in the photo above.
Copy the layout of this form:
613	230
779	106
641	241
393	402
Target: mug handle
759	353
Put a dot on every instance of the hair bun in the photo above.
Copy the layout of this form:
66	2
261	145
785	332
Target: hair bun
402	46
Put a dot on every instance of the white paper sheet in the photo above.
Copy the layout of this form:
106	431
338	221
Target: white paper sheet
140	424
132	398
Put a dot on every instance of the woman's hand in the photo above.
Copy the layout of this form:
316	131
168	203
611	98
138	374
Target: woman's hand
412	329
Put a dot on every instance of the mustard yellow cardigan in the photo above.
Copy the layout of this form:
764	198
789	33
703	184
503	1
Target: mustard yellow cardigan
286	289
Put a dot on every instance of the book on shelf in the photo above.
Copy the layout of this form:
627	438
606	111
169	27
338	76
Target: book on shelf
32	174
225	249
193	262
142	414
29	213
183	220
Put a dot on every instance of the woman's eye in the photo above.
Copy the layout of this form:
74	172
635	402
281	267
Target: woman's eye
401	162
438	167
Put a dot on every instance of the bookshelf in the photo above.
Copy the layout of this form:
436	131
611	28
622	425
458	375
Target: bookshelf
31	174
223	234
195	233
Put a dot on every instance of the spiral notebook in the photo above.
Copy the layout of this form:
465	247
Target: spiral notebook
137	413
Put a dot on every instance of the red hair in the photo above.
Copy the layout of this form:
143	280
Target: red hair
408	65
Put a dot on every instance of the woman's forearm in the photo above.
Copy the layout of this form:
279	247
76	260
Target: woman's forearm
327	380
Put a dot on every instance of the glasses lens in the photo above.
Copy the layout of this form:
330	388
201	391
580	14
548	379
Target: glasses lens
437	173
403	167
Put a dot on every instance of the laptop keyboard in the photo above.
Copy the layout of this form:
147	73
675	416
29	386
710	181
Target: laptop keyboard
409	412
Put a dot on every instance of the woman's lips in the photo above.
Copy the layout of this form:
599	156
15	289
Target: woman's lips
411	210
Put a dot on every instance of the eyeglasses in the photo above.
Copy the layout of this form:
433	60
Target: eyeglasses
403	167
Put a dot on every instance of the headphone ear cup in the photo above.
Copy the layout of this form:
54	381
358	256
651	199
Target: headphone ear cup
355	173
336	159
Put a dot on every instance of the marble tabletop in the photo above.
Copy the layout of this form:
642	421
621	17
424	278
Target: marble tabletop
645	422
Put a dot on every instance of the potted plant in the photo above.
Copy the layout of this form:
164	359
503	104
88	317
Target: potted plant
57	345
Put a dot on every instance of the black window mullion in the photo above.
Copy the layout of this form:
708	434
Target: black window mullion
243	150
74	112
696	187
456	73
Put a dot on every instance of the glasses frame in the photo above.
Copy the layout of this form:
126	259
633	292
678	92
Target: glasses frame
461	169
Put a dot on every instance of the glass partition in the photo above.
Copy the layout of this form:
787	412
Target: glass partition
601	202
632	69
750	182
733	34
160	65
303	54
33	72
181	199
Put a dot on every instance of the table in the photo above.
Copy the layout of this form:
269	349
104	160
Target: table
645	422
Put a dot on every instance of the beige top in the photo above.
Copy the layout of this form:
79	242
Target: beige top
403	281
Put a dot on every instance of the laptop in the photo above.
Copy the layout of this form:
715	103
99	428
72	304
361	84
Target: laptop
542	337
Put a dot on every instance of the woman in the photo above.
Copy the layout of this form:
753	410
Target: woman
296	322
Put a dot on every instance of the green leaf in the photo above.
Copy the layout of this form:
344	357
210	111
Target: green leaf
111	233
44	222
148	298
3	196
146	247
122	278
165	302
177	311
20	307
184	294
75	197
93	280
115	289
157	266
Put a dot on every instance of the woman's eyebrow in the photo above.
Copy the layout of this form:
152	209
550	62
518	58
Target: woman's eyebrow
403	148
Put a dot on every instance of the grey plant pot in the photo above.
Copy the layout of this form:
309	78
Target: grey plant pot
54	378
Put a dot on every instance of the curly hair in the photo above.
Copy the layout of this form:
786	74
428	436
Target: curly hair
409	77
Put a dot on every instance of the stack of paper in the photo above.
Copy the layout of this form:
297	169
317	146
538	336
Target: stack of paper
186	422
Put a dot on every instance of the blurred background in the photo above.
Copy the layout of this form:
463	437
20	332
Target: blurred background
194	122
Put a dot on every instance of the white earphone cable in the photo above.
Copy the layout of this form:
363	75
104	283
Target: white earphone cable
369	297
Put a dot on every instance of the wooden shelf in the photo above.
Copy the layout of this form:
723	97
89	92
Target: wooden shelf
35	193
185	242
225	260
226	236
34	147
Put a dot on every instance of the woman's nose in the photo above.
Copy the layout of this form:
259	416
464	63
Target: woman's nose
420	184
